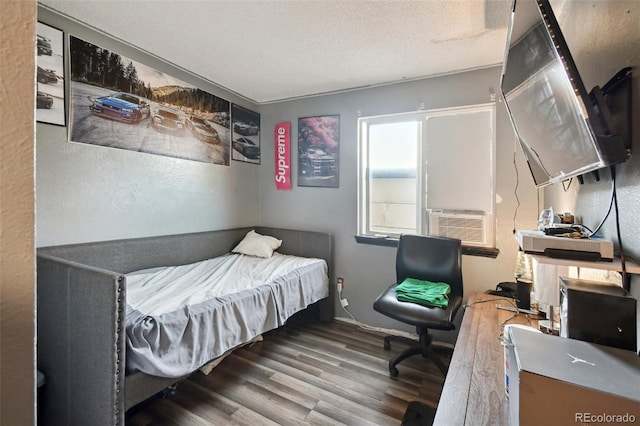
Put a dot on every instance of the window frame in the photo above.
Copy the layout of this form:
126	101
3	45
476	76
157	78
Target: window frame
364	187
364	232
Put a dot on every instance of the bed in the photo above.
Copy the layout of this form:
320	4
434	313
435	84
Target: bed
107	310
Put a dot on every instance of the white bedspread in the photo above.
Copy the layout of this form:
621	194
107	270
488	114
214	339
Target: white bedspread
181	317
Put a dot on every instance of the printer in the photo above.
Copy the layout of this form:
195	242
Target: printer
590	249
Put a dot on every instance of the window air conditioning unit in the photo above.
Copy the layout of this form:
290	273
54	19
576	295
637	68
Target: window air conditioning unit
468	226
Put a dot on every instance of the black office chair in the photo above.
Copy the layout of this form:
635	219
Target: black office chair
427	258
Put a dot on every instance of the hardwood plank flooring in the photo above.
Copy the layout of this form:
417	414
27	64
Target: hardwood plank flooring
300	374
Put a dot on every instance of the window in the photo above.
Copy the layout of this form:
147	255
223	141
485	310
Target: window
428	172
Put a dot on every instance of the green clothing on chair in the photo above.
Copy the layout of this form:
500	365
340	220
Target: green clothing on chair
425	293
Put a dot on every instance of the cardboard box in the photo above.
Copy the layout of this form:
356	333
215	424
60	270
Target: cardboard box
559	381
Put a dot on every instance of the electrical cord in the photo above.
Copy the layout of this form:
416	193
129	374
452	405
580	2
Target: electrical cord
566	188
617	216
360	324
515	190
585	227
611	202
507	299
501	299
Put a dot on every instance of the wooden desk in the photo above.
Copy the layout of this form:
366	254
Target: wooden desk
473	392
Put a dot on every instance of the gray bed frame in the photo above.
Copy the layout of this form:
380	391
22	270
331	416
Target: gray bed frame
81	315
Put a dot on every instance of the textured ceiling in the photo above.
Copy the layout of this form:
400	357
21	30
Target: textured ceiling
274	50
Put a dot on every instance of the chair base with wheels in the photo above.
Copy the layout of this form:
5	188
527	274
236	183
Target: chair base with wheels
425	258
417	315
422	347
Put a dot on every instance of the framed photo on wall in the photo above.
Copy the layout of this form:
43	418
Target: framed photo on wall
245	135
318	151
50	105
117	102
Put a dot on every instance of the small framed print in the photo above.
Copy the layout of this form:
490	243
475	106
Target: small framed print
318	151
50	102
246	135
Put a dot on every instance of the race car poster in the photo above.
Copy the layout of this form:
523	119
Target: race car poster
117	102
246	135
50	75
318	149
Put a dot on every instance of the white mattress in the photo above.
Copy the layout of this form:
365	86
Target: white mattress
181	317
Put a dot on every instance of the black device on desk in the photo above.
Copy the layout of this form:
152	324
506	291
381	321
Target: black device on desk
520	291
505	289
597	312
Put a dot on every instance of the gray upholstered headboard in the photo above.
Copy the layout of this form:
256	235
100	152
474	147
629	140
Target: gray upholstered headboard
128	255
81	309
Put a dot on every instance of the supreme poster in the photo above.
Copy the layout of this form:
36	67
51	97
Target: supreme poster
282	144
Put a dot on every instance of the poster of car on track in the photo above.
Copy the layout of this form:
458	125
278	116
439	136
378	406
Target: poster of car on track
50	75
318	151
120	103
246	135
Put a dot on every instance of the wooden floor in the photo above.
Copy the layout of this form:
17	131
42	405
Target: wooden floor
319	374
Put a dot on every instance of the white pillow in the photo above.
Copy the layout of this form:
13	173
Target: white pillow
254	244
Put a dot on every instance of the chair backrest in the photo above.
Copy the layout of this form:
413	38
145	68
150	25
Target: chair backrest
429	258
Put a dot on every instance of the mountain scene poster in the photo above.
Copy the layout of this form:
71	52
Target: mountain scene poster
119	103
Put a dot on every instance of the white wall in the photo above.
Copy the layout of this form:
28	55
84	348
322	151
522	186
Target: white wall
369	269
91	193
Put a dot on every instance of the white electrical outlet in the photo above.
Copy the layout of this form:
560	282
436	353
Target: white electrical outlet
340	284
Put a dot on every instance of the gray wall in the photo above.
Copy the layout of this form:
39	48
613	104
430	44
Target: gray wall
369	269
617	45
90	193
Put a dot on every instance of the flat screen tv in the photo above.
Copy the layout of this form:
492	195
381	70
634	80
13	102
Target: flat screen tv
564	131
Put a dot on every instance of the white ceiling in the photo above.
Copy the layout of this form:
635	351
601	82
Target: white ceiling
273	50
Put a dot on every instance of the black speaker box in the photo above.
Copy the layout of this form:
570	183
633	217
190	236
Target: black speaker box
597	312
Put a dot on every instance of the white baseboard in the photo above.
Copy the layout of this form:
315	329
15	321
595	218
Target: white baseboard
380	329
392	331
